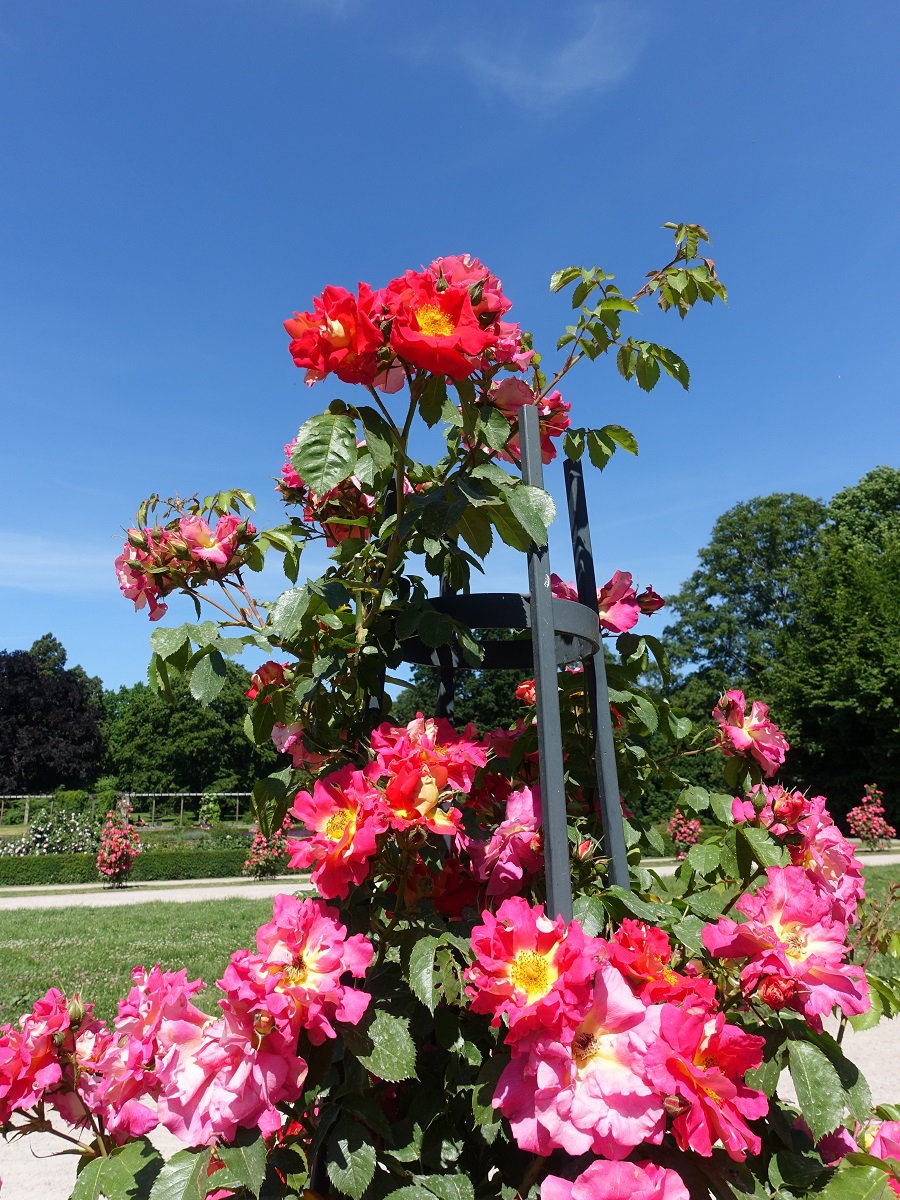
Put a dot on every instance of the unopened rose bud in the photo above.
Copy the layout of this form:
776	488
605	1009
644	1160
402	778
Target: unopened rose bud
76	1010
138	539
777	991
675	1106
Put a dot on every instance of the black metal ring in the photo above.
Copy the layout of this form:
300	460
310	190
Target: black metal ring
577	631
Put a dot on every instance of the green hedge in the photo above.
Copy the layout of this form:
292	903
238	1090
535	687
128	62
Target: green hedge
159	864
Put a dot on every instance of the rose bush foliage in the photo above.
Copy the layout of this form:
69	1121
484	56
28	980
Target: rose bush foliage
422	1028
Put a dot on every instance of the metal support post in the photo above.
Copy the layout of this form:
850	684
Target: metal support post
595	681
549	726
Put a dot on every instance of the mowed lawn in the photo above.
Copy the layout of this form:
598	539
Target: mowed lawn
92	950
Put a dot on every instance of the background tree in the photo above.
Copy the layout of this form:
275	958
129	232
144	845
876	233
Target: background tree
798	603
160	745
743	596
835	681
50	722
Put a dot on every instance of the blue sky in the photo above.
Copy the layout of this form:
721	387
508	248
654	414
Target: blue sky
178	177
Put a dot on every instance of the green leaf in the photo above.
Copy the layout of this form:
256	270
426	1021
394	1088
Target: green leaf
246	1165
289	610
534	509
433	399
434	628
573	444
704	857
474	527
766	851
647	372
208	678
765	1077
869	1019
509	527
857	1183
694	797
690	933
167	641
655	913
351	1158
379	438
184	1177
818	1086
561	279
720	803
104	1178
448	1187
393	1054
600	448
589	911
325	451
621	436
421	971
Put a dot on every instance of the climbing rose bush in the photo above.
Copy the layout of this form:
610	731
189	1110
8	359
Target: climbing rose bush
425	1024
119	847
867	821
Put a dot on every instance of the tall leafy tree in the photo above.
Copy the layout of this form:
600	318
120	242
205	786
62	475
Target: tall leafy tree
161	745
743	596
50	723
835	680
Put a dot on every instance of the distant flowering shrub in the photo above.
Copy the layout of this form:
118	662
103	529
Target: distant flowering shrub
268	856
867	822
684	832
63	833
119	847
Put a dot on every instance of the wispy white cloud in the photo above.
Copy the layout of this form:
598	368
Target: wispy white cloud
31	563
536	69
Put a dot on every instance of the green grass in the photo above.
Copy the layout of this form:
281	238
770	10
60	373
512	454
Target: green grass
93	950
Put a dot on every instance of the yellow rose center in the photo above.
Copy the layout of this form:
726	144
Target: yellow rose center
336	333
337	823
583	1046
433	321
294	976
796	944
530	974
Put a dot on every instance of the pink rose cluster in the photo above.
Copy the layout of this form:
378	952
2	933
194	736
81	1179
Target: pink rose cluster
165	1062
751	736
791	941
154	562
419	776
268	855
867	821
610	1047
619	605
684	832
119	847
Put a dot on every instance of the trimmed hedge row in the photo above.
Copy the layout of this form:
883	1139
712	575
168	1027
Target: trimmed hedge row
155	865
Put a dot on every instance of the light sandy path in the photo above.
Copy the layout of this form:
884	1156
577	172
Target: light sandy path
143	893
